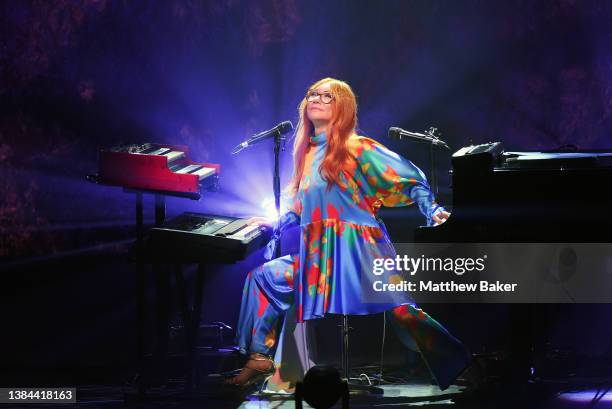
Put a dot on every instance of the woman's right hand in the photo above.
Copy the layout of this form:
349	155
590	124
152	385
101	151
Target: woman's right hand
261	221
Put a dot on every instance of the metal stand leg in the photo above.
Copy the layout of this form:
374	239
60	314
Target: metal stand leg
160	214
355	386
140	289
345	347
162	281
160	209
193	325
186	316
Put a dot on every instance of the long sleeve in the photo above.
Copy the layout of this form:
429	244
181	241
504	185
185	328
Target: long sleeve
391	180
287	220
293	211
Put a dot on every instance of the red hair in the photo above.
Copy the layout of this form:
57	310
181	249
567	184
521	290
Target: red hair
341	127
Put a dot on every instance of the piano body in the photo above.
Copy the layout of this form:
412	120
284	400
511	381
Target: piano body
156	168
526	197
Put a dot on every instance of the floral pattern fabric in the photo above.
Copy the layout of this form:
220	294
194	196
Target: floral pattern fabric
340	231
340	234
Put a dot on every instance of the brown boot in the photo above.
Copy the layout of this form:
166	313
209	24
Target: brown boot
256	369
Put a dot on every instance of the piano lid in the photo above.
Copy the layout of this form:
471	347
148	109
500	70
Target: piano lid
547	160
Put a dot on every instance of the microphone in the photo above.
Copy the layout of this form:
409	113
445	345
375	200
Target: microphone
429	137
279	129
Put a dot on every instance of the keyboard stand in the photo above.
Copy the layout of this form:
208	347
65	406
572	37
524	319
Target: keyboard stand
190	315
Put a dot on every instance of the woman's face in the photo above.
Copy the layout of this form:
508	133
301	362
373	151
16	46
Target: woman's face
318	112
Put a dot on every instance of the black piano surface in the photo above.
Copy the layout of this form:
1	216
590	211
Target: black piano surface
527	197
205	238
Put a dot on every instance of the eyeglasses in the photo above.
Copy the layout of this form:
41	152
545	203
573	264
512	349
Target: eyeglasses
325	97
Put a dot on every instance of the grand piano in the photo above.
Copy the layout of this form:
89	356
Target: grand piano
527	197
553	196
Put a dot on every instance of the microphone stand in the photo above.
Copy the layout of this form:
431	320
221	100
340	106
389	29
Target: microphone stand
279	143
432	171
430	137
431	132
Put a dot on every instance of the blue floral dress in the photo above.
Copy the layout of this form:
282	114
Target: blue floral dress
340	236
340	231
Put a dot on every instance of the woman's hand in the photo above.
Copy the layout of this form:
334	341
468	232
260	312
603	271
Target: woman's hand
261	221
440	217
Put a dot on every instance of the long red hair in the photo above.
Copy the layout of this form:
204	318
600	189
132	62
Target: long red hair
341	127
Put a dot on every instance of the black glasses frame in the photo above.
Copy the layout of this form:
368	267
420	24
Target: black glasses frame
324	97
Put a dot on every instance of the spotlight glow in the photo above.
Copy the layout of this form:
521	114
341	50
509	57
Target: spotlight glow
269	210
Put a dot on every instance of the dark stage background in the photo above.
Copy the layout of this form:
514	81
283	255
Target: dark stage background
76	76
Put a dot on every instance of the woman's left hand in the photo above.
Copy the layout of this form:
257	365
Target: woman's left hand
440	217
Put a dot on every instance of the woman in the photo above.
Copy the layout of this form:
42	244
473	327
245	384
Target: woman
340	181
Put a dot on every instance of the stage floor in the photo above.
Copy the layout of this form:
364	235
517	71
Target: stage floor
405	395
